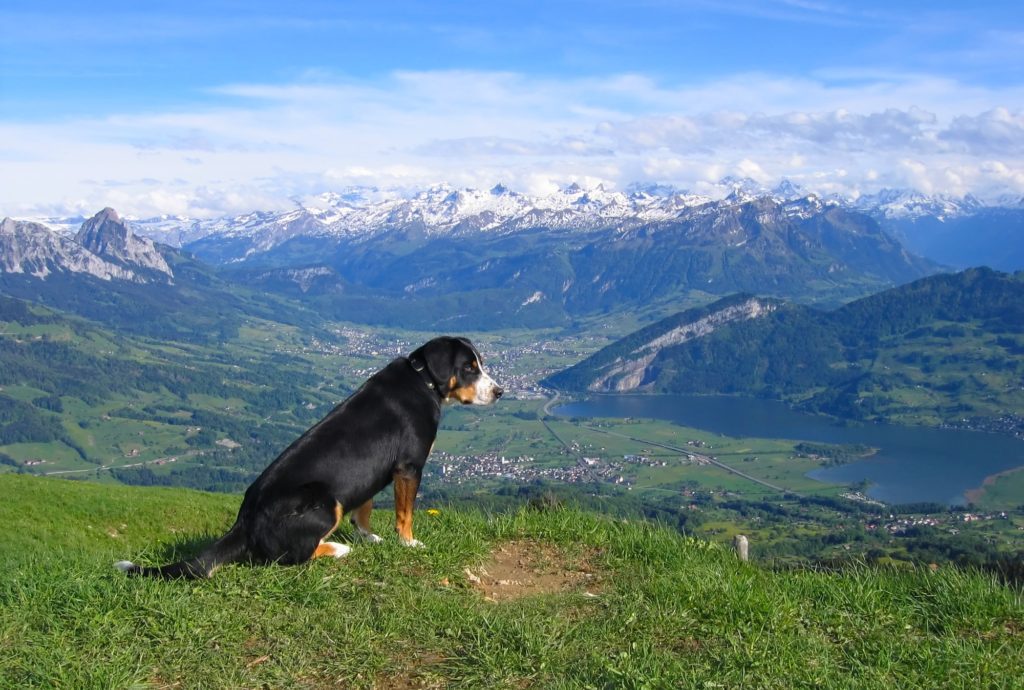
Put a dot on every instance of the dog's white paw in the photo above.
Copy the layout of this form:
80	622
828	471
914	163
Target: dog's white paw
124	566
337	550
412	543
369	537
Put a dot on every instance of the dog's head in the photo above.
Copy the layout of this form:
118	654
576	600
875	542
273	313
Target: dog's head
456	369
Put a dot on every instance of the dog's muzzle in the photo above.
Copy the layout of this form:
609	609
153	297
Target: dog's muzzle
487	391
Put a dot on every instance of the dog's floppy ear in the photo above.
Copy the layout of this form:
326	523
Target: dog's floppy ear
438	356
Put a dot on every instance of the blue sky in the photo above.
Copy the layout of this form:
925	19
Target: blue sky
215	107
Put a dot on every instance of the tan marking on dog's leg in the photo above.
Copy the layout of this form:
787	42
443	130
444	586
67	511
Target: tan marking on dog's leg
405	498
337	519
361	520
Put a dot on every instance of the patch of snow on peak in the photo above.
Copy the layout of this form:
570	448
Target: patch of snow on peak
533	299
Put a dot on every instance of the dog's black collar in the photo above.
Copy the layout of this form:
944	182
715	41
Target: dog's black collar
420	367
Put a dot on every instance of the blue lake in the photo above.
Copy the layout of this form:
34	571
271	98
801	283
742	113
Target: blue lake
913	463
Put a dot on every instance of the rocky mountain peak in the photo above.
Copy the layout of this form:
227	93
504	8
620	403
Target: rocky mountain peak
107	235
32	249
109	214
788	191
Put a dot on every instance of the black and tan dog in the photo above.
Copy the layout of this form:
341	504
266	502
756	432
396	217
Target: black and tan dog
382	433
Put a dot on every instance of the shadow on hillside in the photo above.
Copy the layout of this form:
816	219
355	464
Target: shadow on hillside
1009	569
186	546
190	545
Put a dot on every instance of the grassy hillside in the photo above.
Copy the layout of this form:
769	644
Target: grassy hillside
81	399
565	599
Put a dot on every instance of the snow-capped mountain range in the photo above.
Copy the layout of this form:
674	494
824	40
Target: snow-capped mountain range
907	204
485	257
438	211
446	211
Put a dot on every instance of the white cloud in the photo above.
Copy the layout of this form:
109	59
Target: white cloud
264	143
995	131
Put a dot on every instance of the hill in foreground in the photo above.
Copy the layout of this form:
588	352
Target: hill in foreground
533	599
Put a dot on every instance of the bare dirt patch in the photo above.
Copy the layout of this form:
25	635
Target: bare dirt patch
526	568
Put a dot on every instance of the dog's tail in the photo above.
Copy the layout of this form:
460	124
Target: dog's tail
228	549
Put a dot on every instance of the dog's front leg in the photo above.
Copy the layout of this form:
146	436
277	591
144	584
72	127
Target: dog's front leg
361	521
407	483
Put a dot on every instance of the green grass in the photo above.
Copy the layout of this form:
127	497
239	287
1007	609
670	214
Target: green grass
669	611
1003	491
57	456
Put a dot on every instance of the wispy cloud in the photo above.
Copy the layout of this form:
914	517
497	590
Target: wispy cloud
263	143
